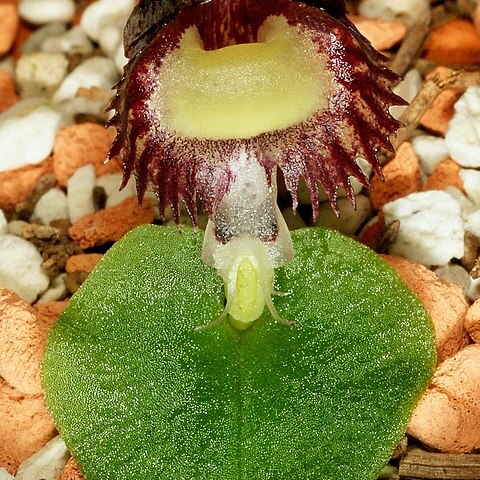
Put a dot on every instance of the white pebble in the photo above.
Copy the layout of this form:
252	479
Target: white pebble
47	463
56	291
3	223
455	274
35	41
81	105
431	228
474	290
27	133
407	11
80	193
109	39
430	150
41	12
111	184
407	89
21	268
51	206
103	13
97	72
73	41
471	184
39	74
463	134
120	59
4	475
350	220
471	218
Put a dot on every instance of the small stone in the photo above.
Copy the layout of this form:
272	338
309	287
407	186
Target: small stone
456	274
444	301
407	11
437	118
3	223
72	42
8	94
382	34
41	12
402	177
71	471
430	151
83	144
448	415
111	224
34	42
85	262
446	174
21	268
109	39
8	27
57	290
431	229
102	13
47	464
112	183
293	220
40	74
472	221
51	206
471	184
472	321
80	192
27	133
462	138
26	425
45	183
4	475
407	89
17	184
15	227
350	220
453	43
22	337
98	72
472	247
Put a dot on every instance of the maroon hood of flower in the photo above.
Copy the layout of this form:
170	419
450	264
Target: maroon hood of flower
322	149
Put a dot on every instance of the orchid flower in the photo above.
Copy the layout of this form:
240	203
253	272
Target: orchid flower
219	94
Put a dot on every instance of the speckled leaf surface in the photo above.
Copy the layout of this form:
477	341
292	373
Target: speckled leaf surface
137	394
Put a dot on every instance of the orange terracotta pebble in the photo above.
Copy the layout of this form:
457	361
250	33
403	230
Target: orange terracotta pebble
455	42
402	176
82	263
26	425
444	302
111	224
371	231
15	185
71	471
9	22
476	18
8	95
382	34
23	334
472	321
83	144
445	174
8	461
448	416
437	118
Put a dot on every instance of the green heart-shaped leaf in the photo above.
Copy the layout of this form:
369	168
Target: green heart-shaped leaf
138	395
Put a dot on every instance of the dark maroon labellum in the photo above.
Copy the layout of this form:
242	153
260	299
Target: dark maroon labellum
351	121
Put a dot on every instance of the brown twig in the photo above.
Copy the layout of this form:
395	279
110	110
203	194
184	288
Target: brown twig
412	45
421	465
424	99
